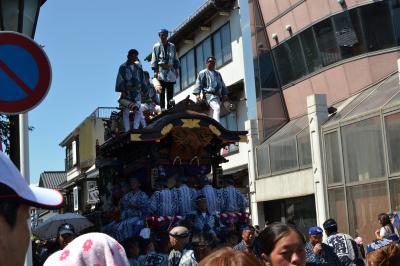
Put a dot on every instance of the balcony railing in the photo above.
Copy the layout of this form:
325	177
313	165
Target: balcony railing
103	112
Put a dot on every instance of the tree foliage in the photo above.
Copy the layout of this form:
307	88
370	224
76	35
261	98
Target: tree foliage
5	132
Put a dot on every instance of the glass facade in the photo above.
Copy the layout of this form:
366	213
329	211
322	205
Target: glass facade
299	211
272	113
218	45
229	122
360	30
363	150
364	203
392	126
363	145
287	150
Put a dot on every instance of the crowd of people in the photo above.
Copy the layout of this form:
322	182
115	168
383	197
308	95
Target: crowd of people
138	95
278	244
206	209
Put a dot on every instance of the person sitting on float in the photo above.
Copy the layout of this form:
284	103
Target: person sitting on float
161	202
183	196
133	206
202	220
211	194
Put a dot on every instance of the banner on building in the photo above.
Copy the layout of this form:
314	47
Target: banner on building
75	192
92	192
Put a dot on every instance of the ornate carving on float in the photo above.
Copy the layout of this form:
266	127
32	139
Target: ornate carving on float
188	143
214	130
166	129
191	123
136	137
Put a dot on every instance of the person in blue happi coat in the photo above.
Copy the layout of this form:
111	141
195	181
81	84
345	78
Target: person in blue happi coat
161	202
210	83
202	220
165	63
133	206
130	83
212	195
232	200
183	196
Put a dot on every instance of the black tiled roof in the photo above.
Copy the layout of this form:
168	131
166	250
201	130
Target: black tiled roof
52	179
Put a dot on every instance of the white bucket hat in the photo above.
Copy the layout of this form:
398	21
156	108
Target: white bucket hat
32	196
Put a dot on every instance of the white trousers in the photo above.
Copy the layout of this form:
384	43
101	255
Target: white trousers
139	119
215	108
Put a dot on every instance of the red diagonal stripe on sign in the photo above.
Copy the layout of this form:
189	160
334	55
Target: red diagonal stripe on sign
14	77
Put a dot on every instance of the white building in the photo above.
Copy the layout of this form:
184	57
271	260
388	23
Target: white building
215	29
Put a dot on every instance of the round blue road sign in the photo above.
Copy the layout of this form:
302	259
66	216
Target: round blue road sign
25	73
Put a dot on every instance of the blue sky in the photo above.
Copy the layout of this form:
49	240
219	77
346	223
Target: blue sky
86	41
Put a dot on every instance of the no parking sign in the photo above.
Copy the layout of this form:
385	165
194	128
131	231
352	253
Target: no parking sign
25	73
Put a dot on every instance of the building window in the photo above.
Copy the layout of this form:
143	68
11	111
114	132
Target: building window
71	155
290	60
267	75
337	207
378	26
177	86
287	150
349	34
263	168
203	50
226	43
229	122
363	29
299	211
365	202
222	45
218	45
310	49
188	73
363	150
326	41
284	155
304	148
395	8
68	157
333	159
394	187
392	126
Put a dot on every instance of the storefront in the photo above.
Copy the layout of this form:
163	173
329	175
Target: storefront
361	150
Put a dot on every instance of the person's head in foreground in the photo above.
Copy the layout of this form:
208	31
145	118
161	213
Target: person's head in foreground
330	227
15	199
90	249
229	257
383	253
65	234
202	244
282	244
248	235
315	235
179	237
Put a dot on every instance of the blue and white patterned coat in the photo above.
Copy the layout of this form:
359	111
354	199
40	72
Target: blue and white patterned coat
165	62
207	223
184	258
132	219
212	196
211	83
130	80
232	200
161	203
149	94
184	200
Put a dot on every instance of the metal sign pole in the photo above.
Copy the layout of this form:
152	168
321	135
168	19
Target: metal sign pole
24	163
